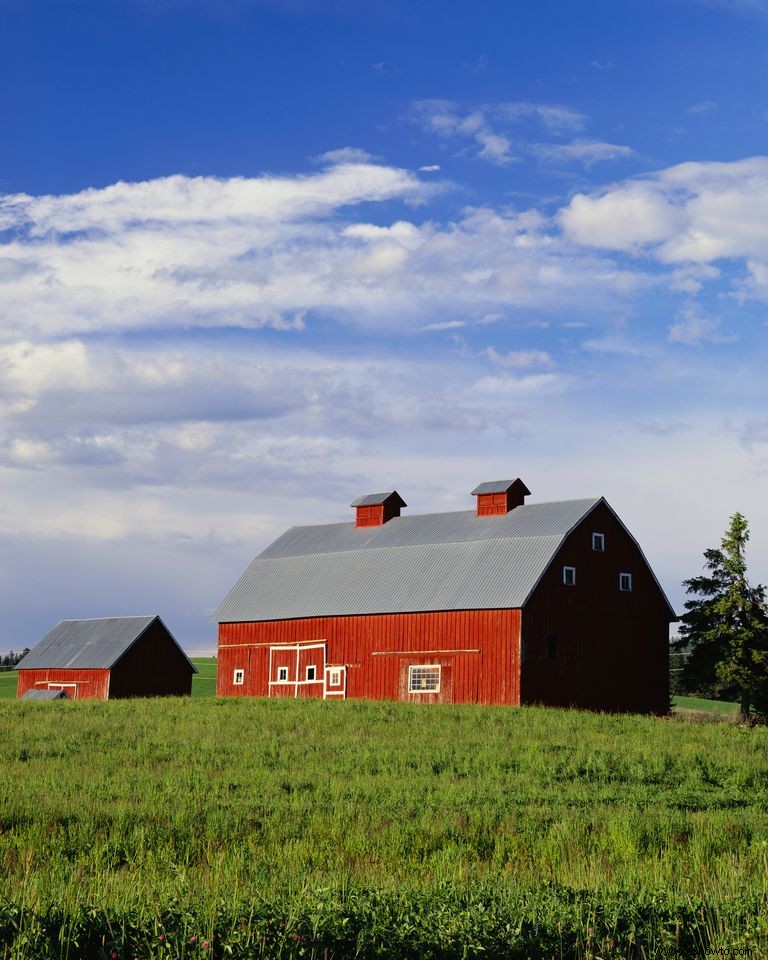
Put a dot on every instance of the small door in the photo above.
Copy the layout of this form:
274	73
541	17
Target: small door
426	680
335	682
69	688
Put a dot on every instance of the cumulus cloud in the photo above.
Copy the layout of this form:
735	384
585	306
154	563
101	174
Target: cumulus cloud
180	253
692	213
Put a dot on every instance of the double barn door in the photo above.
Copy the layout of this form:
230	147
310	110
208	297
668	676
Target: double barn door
302	670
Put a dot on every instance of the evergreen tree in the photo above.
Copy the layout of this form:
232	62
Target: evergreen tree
725	628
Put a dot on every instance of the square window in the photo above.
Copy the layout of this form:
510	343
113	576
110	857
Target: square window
598	542
424	679
569	576
625	582
238	678
311	673
282	674
334	677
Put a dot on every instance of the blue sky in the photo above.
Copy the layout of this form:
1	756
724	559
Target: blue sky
257	258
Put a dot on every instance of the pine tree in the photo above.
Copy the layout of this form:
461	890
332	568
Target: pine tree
725	630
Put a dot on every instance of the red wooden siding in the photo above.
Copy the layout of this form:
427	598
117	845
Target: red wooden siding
89	684
492	504
152	667
477	650
612	646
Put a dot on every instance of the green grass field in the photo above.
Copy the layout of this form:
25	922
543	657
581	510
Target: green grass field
720	708
7	684
204	681
327	830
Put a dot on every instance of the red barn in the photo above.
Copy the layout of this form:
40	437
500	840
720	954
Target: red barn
106	659
510	603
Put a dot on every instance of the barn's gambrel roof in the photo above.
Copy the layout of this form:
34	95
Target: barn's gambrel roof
428	562
90	644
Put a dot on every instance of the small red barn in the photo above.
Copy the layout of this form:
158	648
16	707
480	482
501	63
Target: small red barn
510	603
106	659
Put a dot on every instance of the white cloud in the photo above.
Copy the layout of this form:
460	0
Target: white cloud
520	387
520	359
692	213
586	152
179	253
693	328
490	127
345	155
445	325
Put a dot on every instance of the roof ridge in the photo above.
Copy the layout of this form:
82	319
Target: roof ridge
127	616
439	513
411	546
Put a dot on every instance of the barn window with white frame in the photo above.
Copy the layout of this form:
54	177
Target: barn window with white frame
424	679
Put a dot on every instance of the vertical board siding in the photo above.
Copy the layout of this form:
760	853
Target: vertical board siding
376	648
612	646
91	684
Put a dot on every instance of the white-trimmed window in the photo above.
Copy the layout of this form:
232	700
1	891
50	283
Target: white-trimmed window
282	674
238	677
334	677
625	582
311	673
569	576
424	678
598	542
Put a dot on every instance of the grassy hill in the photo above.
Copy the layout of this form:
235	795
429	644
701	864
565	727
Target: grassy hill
328	830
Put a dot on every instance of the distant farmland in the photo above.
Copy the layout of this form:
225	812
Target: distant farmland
247	828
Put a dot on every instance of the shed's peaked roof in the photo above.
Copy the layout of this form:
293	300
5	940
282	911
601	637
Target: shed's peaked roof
435	561
498	486
45	695
374	499
89	644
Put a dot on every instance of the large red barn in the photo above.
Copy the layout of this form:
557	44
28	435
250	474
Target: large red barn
510	603
107	658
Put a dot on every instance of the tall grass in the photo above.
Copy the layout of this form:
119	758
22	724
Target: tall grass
377	829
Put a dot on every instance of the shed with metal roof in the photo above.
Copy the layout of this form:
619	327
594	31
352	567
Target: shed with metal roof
107	658
510	603
45	695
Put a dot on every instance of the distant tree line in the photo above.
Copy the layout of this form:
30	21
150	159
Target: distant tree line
9	661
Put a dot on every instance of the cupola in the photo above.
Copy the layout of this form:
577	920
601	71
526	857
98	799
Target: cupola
496	497
375	509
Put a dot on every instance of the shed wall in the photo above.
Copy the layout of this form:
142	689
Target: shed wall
477	649
153	667
89	684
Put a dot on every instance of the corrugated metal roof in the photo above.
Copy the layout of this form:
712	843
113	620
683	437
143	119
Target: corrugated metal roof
493	486
529	520
372	499
45	695
89	644
472	575
443	561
